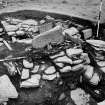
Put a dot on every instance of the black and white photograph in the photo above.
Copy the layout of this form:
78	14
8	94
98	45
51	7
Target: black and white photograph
52	52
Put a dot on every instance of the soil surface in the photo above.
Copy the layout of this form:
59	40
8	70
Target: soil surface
88	9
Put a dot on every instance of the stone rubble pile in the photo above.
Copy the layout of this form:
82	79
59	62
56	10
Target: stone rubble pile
32	73
99	50
71	60
16	27
21	29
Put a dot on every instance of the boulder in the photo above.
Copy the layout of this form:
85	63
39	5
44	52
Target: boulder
7	89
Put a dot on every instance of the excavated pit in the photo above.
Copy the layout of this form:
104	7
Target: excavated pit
50	91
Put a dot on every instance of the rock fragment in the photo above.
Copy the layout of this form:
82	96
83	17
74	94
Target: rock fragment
65	69
63	59
77	62
1	30
71	52
80	97
50	70
52	36
95	79
50	77
97	43
71	31
103	69
43	67
27	64
11	33
25	41
11	28
57	55
25	74
30	22
11	68
85	58
34	81
77	67
61	65
19	32
101	63
35	69
42	21
87	33
89	71
62	96
7	90
1	44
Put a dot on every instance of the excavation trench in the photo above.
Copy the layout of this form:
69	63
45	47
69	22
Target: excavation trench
27	24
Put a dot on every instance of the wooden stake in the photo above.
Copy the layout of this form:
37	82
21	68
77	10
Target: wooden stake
99	18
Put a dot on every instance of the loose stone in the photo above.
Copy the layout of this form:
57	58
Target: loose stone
49	77
1	30
61	65
71	52
50	70
62	96
95	79
34	81
30	22
27	64
77	62
11	28
101	63
35	69
19	32
57	55
89	71
65	69
43	67
63	59
77	67
25	74
11	33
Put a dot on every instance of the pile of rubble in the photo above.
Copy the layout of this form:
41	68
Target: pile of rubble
64	60
22	29
99	47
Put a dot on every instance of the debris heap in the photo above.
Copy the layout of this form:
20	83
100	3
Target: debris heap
56	62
